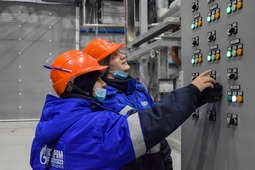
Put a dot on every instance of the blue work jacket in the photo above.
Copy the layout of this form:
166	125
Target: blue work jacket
125	94
135	96
79	134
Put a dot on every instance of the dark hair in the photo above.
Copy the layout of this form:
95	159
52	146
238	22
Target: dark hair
105	62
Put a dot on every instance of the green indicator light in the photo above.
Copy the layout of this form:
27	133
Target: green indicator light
208	19
229	10
192	61
192	26
229	54
229	98
209	58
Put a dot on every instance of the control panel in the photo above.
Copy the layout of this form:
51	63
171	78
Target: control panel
220	35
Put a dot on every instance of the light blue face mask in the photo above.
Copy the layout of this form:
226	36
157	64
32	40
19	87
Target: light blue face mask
120	74
100	94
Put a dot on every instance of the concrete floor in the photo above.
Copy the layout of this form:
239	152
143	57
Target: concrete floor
15	143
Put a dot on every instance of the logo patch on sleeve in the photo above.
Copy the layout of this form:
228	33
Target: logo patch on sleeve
144	103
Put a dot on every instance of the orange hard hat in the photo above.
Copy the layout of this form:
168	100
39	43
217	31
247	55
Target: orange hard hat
100	48
69	65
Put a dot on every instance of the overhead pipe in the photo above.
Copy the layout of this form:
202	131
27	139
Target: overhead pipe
173	11
161	7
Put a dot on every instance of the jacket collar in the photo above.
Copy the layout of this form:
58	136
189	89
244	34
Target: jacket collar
125	86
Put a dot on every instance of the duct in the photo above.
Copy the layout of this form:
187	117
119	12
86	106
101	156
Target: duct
174	10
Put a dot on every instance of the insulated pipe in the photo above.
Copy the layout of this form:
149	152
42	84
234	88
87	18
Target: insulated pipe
161	7
173	10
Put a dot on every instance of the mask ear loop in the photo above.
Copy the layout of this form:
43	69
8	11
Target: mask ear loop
73	86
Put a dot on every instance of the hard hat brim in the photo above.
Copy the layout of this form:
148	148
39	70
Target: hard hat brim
117	47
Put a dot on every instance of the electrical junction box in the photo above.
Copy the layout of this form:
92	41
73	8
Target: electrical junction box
166	85
219	35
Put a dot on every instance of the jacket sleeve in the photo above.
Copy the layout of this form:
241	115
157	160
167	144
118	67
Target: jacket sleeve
165	151
168	114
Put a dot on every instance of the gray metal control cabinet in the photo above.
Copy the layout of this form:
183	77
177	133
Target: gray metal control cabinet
220	35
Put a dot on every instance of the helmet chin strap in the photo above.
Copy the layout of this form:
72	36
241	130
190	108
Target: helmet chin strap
72	86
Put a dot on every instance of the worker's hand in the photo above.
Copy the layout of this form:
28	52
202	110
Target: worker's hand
210	95
204	81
